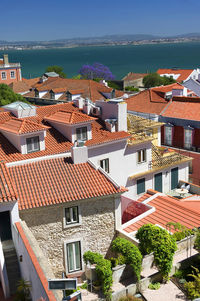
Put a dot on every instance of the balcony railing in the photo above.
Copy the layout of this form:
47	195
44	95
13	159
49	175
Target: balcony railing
10	65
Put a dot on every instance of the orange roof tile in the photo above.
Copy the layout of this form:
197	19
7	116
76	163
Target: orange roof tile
184	73
21	126
56	181
183	108
7	188
88	88
168	209
20	86
69	117
55	142
31	81
152	100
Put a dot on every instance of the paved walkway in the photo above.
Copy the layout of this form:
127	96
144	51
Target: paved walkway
166	292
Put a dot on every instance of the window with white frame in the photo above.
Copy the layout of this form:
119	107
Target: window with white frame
71	215
81	133
12	74
168	135
33	144
141	156
105	164
3	75
188	138
73	256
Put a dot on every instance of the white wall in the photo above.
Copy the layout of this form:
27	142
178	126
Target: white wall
122	161
27	269
69	131
3	274
19	141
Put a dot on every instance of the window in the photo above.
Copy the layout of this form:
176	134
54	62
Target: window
188	138
140	186
33	144
3	75
81	133
168	135
12	74
141	156
105	164
71	215
52	95
73	256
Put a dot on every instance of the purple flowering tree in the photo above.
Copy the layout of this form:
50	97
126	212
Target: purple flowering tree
95	71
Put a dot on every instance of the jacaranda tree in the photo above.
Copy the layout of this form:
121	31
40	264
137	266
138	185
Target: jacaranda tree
96	71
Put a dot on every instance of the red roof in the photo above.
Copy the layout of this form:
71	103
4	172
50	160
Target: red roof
7	188
184	73
88	88
183	108
55	142
69	117
21	126
56	181
152	100
168	209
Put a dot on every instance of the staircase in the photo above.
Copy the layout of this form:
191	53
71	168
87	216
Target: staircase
12	265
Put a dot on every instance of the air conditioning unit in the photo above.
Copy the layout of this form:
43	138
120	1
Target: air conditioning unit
96	111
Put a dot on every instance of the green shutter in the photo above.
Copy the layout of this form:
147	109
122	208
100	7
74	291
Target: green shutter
158	182
174	178
140	186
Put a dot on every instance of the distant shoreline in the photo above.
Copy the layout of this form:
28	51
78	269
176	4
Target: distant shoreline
112	44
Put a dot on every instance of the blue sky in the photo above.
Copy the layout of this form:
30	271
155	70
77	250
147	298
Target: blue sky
48	20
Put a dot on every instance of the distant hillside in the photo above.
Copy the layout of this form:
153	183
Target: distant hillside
107	39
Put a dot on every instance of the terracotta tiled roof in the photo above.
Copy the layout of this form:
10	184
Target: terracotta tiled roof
7	188
31	81
184	73
183	108
56	181
74	92
21	126
151	101
59	90
133	76
20	86
168	209
69	117
55	142
88	88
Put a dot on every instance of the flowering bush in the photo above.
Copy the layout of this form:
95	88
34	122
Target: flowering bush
95	71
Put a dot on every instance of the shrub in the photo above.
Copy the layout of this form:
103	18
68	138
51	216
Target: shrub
130	252
179	274
154	286
23	290
155	239
130	88
193	287
103	269
179	236
114	261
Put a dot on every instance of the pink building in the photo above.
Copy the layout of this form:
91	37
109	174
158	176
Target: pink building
9	72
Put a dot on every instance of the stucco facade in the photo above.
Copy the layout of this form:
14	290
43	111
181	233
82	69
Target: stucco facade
95	231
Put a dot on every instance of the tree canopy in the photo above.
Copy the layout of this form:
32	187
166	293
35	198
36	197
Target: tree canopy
56	69
96	71
7	95
154	79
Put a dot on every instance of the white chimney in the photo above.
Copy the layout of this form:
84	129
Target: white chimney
87	107
5	59
79	153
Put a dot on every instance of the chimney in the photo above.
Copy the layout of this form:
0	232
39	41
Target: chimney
79	153
5	59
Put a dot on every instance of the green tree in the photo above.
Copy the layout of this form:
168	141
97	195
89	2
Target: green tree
78	76
7	95
56	69
154	79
